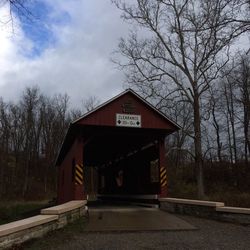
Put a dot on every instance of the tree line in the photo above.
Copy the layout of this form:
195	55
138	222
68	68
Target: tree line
185	57
31	133
225	131
225	117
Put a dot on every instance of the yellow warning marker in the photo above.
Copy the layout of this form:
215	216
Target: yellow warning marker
163	176
79	174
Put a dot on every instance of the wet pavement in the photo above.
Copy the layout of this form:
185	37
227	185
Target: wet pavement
106	223
133	219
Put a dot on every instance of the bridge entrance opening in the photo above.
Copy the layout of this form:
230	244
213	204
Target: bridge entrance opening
122	164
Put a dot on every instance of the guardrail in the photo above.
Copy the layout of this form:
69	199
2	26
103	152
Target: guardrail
206	209
50	219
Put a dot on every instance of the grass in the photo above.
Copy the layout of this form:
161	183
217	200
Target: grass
231	196
17	210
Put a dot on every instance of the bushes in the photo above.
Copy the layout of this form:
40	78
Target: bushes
224	182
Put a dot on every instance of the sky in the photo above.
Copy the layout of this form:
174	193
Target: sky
66	47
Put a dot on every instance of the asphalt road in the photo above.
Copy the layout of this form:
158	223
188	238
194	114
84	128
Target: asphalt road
209	235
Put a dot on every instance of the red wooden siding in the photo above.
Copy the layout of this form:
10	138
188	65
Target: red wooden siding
67	190
106	115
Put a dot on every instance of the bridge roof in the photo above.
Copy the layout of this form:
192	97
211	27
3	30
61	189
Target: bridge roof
127	113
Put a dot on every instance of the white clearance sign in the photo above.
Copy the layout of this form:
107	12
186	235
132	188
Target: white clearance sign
127	120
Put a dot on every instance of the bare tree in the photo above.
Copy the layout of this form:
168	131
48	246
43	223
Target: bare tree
29	105
214	108
54	121
31	133
75	113
4	144
183	48
21	8
228	93
245	100
90	103
239	77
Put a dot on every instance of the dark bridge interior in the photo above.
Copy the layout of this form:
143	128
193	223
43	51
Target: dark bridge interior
125	159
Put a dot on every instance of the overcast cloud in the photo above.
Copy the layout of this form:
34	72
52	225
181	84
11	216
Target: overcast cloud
67	51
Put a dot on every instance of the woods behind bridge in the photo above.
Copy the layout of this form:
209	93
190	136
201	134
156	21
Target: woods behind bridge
31	133
183	56
32	130
182	52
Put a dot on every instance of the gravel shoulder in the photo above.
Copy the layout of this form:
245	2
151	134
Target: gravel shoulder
210	235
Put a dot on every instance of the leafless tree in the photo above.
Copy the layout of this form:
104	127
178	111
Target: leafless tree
230	110
215	108
29	105
239	89
31	132
183	47
4	144
54	121
21	8
90	103
245	100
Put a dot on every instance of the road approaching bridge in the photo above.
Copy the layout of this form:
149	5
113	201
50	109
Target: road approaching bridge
209	235
132	219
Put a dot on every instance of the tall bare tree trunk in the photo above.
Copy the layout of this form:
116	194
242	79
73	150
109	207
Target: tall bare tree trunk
26	178
198	148
245	64
229	139
232	120
217	128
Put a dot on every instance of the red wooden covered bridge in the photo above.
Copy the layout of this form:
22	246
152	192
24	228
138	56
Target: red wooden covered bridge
123	141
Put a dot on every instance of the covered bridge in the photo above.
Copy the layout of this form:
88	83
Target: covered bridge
123	141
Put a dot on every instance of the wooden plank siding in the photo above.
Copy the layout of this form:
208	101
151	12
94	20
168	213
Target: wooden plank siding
106	115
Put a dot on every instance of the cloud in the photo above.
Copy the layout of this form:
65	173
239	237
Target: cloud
13	42
76	61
